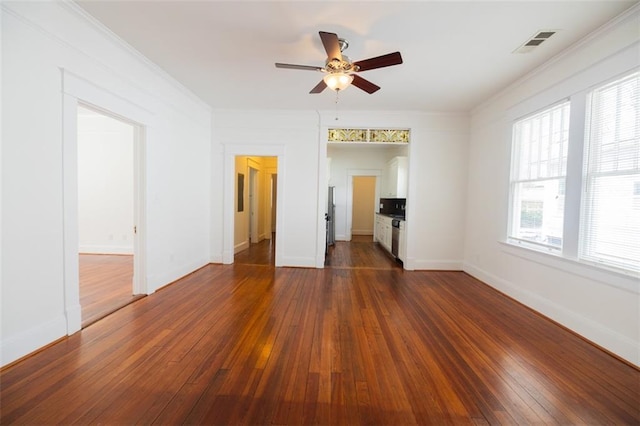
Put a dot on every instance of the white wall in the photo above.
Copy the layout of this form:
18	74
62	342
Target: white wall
105	184
38	40
293	138
437	180
603	307
436	200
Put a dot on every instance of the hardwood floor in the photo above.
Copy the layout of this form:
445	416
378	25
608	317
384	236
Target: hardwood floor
105	285
254	344
361	252
262	253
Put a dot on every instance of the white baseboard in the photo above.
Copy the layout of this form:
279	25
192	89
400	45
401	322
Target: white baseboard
74	319
158	281
242	246
106	249
17	346
607	338
298	262
434	265
362	232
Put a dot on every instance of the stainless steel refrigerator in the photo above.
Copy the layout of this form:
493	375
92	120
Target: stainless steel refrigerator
330	218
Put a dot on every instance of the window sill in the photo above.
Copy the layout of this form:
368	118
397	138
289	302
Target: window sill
628	281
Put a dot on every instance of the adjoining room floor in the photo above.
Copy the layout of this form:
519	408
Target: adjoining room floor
105	285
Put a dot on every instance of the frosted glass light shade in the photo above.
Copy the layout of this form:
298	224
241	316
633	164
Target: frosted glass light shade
338	80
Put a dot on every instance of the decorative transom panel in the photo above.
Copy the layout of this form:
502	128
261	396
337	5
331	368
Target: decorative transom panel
369	135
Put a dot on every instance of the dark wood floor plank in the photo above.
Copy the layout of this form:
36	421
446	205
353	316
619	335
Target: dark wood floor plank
355	343
106	284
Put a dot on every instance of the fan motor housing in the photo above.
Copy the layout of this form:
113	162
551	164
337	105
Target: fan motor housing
344	65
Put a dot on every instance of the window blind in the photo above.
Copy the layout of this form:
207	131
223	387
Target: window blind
610	217
539	165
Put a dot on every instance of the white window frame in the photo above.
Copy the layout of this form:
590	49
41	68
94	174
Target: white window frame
576	89
588	178
515	180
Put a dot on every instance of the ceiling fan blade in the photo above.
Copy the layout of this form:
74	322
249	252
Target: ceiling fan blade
298	67
319	87
379	61
363	84
331	45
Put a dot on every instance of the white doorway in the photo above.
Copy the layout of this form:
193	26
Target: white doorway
106	213
274	200
351	174
254	202
363	205
234	215
80	92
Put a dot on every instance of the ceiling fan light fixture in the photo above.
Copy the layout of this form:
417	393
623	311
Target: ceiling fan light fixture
338	80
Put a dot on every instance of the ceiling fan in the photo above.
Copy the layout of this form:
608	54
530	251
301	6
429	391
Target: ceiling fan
340	70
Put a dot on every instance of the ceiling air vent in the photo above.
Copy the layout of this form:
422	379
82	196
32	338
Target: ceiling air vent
535	41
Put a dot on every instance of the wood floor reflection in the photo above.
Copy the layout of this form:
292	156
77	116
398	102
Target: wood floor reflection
262	253
249	343
105	285
360	252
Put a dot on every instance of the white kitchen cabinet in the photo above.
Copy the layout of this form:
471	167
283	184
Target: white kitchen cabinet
383	231
395	178
402	250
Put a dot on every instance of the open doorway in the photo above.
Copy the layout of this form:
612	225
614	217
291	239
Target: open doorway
255	209
106	213
363	208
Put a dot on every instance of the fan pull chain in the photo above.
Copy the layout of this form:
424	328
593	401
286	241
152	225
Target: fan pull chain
337	98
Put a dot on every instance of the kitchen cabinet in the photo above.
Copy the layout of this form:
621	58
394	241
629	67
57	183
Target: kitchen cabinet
383	231
395	178
402	250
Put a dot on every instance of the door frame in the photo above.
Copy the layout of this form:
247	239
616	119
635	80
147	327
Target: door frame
77	90
351	173
254	200
230	153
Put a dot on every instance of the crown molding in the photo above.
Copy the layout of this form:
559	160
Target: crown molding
79	12
627	14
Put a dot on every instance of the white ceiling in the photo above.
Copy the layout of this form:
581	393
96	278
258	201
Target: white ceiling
456	54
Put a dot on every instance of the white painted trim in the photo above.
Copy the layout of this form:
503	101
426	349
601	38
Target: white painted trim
254	200
140	211
610	339
434	265
298	262
241	246
19	345
323	196
624	281
594	35
70	213
106	250
121	44
156	282
361	232
251	150
77	89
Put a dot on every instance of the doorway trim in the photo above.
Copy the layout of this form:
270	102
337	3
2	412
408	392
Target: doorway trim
77	90
254	200
230	153
350	175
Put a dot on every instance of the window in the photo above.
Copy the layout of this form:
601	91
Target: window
539	166
610	219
